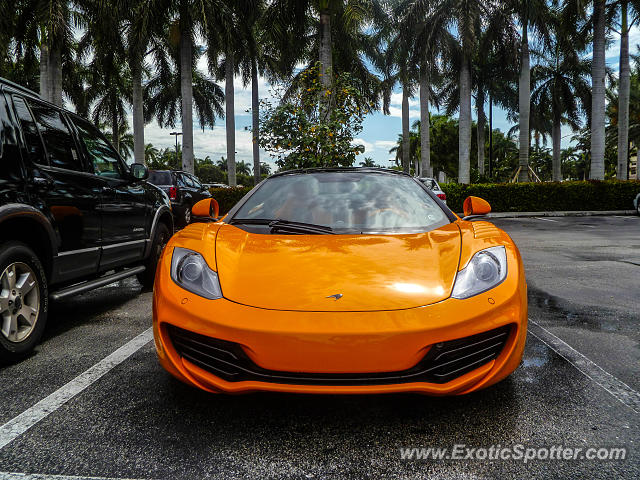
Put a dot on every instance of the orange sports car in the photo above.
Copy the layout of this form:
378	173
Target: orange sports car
340	281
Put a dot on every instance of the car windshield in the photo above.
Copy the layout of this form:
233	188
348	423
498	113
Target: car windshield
159	178
347	202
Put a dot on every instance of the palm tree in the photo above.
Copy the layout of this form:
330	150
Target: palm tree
336	33
466	16
107	75
143	21
163	93
627	8
243	168
578	12
46	25
561	84
151	153
125	144
494	72
532	17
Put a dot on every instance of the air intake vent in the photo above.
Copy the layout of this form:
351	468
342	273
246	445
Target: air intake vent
484	230
443	362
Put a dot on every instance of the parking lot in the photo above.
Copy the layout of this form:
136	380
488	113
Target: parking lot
124	417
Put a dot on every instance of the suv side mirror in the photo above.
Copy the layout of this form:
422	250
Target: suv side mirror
207	208
473	206
139	171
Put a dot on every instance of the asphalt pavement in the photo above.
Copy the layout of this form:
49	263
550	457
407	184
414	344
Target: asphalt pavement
94	403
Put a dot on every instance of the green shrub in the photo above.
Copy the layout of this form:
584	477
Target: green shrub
228	197
548	196
513	197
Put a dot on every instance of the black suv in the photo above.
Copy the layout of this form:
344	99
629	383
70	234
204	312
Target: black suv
183	189
73	216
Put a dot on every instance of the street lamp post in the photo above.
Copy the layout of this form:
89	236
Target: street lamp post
176	134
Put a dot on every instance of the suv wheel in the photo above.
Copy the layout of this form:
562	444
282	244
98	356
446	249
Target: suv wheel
24	300
186	216
160	240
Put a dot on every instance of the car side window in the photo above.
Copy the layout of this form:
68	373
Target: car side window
196	182
102	157
182	180
35	150
61	147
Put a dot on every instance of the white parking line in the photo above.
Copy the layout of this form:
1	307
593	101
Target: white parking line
620	390
44	476
27	419
546	219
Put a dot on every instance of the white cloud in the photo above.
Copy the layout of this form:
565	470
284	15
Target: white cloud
368	147
385	145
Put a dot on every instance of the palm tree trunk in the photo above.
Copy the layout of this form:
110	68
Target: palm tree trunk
55	75
115	131
524	100
230	120
326	61
482	120
186	91
557	137
406	162
44	71
138	112
425	142
598	98
464	123
623	96
255	113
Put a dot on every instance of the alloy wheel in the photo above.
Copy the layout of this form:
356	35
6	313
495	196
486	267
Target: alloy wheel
19	301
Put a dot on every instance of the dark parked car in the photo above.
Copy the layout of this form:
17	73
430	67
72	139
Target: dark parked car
183	189
73	215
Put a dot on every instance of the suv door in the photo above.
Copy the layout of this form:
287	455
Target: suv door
59	184
124	203
200	192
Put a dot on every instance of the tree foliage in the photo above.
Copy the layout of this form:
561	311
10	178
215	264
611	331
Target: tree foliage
298	134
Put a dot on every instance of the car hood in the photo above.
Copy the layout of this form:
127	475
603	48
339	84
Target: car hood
371	272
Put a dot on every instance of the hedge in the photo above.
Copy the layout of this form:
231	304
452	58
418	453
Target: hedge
514	197
548	196
228	197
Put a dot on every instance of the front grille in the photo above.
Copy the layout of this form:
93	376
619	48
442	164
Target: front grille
442	363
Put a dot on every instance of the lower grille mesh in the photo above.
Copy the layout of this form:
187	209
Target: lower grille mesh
443	362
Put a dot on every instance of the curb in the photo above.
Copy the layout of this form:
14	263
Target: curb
573	213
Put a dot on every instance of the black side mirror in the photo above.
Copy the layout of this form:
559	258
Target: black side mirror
139	171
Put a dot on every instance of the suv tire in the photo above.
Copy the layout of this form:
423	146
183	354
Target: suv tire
160	239
24	301
186	215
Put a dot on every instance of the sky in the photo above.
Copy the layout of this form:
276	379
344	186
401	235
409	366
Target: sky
379	134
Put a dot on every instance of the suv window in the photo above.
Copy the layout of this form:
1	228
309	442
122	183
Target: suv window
55	133
35	150
159	178
196	182
182	180
101	155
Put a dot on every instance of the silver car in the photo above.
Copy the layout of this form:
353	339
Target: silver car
636	203
433	185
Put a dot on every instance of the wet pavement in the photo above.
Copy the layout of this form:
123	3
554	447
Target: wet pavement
137	422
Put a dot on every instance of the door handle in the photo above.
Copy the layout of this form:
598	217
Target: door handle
106	189
42	182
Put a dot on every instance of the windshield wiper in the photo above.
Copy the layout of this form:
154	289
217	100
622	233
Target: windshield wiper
286	226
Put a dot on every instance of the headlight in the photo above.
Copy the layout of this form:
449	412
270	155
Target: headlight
486	269
190	270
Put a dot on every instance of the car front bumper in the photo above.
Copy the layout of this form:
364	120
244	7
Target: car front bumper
333	345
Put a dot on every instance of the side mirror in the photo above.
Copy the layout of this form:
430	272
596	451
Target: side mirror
473	206
207	208
139	171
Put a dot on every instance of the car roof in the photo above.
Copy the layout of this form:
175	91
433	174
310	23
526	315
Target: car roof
340	170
